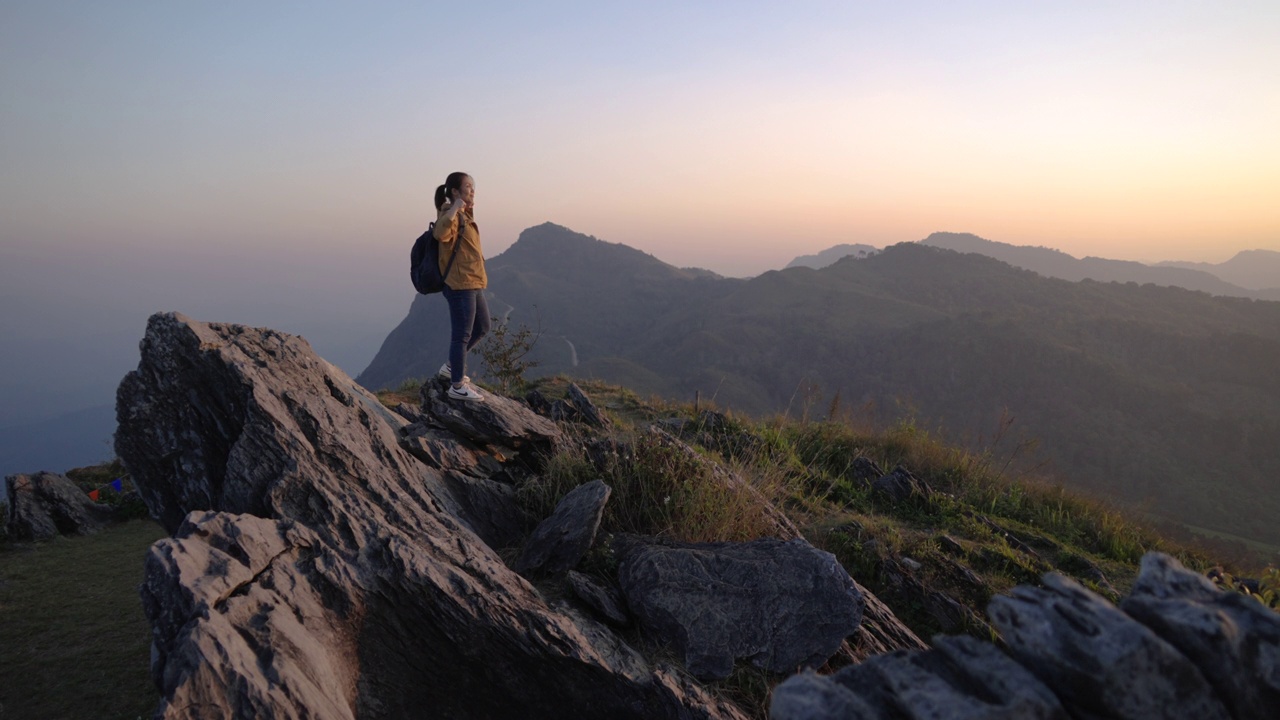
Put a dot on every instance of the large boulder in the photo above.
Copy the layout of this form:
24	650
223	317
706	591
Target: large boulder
781	605
44	505
319	570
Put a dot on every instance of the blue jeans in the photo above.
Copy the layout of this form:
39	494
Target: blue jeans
469	319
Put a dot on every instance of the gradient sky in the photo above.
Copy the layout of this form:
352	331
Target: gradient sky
271	162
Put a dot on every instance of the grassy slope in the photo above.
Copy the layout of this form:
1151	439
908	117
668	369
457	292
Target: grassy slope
978	534
73	640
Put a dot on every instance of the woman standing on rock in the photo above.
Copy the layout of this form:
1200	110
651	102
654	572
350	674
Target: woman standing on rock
464	286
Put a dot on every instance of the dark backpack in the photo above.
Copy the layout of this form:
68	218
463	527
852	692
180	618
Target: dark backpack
424	267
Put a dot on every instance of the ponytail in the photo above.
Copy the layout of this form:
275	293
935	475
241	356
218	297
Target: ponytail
453	182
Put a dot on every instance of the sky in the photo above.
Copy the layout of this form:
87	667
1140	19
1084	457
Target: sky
271	163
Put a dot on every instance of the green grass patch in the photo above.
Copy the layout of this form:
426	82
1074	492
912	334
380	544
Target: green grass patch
73	640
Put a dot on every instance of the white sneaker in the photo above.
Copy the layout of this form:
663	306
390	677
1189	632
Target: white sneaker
446	372
466	392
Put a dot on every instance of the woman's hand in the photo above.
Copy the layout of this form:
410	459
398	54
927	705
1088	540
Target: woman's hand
452	207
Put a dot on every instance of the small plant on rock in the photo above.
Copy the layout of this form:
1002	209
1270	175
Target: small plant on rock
505	353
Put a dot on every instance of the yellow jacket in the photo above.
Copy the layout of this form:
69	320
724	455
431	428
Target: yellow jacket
467	272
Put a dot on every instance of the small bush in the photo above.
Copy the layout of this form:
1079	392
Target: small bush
93	477
505	353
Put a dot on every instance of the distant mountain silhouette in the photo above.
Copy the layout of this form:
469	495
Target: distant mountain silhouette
832	254
1155	395
1055	263
1253	269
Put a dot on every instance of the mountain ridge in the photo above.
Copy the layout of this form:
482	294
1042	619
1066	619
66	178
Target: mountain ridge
1252	269
832	254
1056	263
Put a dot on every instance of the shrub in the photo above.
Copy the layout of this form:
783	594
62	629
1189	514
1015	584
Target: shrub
505	353
93	477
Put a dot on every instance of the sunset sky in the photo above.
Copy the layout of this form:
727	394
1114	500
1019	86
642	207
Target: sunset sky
732	135
262	161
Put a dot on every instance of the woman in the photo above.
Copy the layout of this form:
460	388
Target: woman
464	285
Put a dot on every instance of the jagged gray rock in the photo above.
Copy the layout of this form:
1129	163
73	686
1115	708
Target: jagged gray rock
326	573
1098	660
960	679
881	631
499	422
446	451
865	471
1069	643
1004	689
901	585
474	475
45	505
561	540
782	605
900	485
577	407
605	601
230	593
810	696
538	402
1232	639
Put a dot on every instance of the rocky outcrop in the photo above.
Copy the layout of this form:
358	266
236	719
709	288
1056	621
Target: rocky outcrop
782	605
1176	648
499	423
45	505
319	570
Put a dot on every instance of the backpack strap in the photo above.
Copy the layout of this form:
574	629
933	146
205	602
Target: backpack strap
456	238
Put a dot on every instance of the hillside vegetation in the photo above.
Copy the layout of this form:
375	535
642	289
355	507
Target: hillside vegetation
936	557
1160	398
